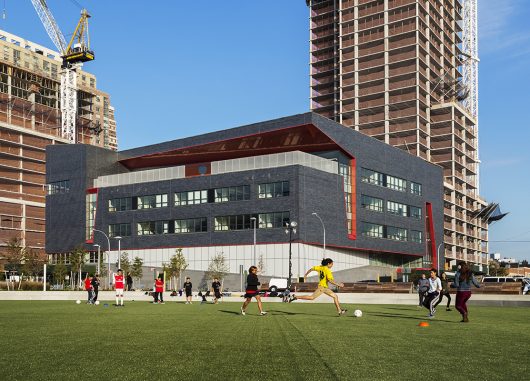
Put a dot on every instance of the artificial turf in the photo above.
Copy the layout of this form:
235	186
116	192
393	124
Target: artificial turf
306	341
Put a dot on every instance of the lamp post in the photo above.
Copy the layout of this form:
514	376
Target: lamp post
254	227
438	257
108	254
290	228
119	250
324	229
99	256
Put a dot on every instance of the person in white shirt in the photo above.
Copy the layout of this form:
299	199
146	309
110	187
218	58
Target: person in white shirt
433	294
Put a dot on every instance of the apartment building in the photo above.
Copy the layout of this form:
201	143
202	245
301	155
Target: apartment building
392	69
30	119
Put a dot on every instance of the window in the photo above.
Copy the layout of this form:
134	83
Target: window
239	222
416	236
193	225
372	230
119	230
273	220
191	198
398	234
396	208
415	212
152	201
345	172
271	190
153	227
238	193
120	204
58	187
372	203
396	183
372	177
90	216
415	188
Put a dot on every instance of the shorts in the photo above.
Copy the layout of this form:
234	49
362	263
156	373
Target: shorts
217	294
322	290
119	292
188	293
250	294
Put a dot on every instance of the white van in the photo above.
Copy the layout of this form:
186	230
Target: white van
499	279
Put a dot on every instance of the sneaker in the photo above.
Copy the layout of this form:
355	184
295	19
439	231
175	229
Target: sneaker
342	312
448	309
430	316
263	313
243	311
293	298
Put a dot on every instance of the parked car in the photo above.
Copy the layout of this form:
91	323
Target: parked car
277	284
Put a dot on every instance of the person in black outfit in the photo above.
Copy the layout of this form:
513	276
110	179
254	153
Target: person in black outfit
252	291
95	287
445	292
129	282
216	286
187	288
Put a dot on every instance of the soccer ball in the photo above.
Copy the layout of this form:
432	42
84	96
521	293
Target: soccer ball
96	302
358	313
78	302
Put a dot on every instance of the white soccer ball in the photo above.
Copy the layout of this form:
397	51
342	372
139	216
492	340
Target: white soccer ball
96	302
78	302
358	313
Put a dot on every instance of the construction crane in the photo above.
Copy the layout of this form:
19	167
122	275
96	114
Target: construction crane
73	54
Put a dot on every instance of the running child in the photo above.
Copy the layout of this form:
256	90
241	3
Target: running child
325	276
433	295
252	291
216	287
159	290
187	288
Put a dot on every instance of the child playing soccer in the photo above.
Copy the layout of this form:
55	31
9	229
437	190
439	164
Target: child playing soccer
325	276
216	287
252	291
118	286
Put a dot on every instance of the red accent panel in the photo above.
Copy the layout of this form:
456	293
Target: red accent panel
92	190
428	207
192	170
353	169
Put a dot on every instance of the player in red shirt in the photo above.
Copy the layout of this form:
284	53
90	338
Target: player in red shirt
159	290
88	288
118	286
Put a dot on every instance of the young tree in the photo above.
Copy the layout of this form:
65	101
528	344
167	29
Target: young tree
59	273
217	268
77	259
177	264
125	263
33	261
261	264
14	253
137	269
495	269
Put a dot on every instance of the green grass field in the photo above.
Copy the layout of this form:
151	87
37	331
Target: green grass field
62	340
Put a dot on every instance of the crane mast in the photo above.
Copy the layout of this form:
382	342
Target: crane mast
73	54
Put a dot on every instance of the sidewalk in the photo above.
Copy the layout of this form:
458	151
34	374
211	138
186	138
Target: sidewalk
348	298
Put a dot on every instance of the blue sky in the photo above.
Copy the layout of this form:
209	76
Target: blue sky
202	66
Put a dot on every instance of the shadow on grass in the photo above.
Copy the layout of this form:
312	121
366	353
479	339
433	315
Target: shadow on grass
401	316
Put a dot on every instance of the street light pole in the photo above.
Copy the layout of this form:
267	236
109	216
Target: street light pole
108	254
99	257
438	257
119	250
324	229
290	228
254	226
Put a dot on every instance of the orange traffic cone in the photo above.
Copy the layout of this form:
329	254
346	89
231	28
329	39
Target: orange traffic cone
423	324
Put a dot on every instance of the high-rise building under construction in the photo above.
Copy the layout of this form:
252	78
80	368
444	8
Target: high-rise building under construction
30	119
405	72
